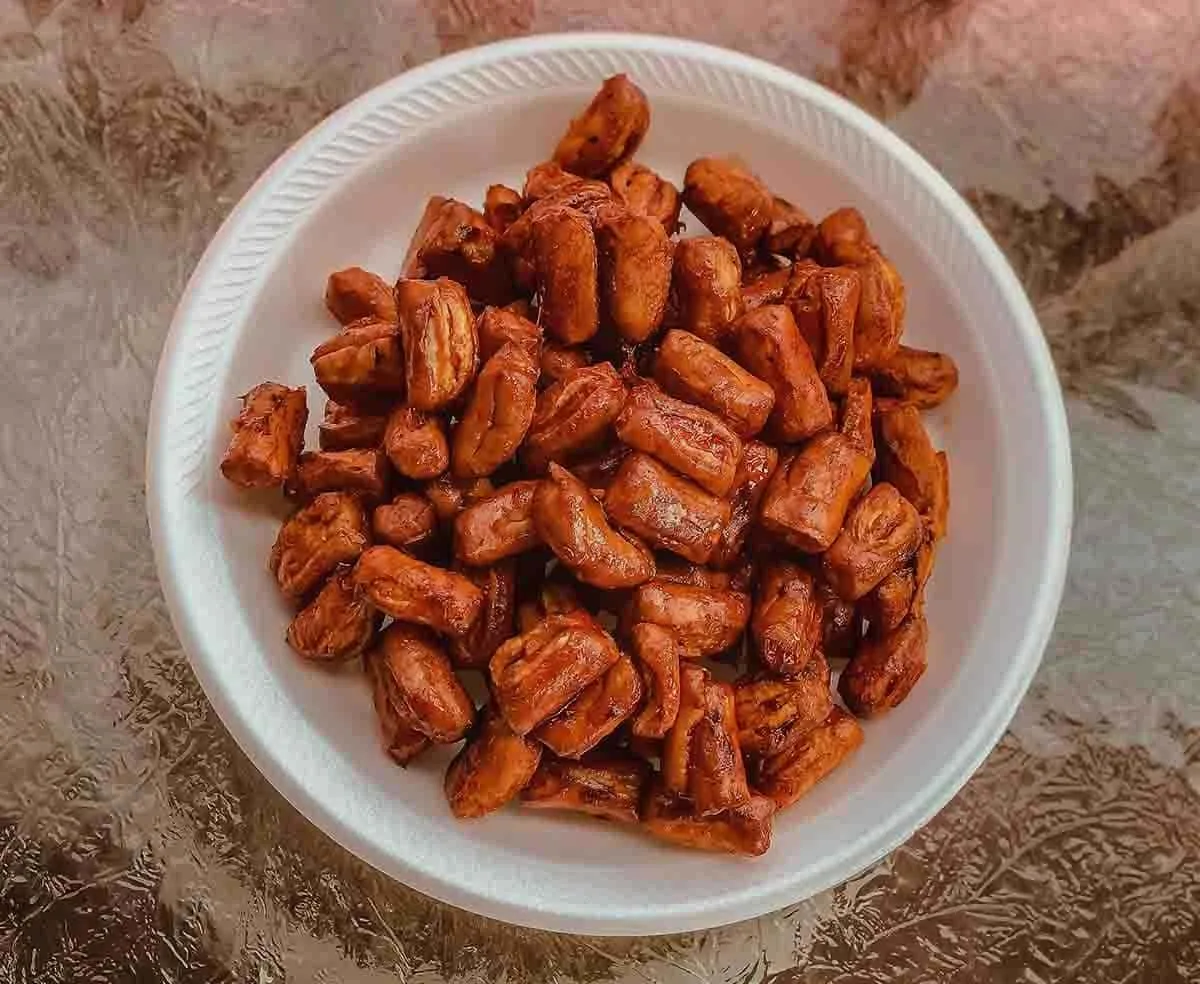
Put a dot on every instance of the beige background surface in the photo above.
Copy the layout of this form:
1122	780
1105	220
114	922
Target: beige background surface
138	844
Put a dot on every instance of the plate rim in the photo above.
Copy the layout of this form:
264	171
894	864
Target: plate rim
695	914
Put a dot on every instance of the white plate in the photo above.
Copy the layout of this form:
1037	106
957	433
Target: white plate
350	193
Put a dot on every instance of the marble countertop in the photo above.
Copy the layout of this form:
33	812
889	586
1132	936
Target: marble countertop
137	843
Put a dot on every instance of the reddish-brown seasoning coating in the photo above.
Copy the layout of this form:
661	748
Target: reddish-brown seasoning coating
572	523
267	436
690	369
693	441
411	590
768	343
642	490
809	494
536	674
665	510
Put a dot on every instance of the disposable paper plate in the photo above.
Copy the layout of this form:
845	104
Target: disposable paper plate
350	192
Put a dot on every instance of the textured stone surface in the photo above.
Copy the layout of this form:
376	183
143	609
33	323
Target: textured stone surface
138	844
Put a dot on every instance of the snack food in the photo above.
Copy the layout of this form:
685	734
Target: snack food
601	465
267	437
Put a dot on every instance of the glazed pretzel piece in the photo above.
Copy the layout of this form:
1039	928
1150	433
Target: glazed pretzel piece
881	308
268	435
609	787
573	524
328	532
907	459
607	132
502	206
730	201
657	652
498	414
887	604
362	471
440	346
497	526
565	259
573	415
741	830
449	496
788	619
416	444
344	427
886	667
636	258
497	617
767	342
356	293
538	673
807	498
702	757
824	302
643	192
492	768
456	242
841	623
690	369
546	179
754	471
423	685
598	710
402	741
882	531
707	282
911	375
408	522
844	239
774	714
411	590
497	326
665	510
705	621
586	197
792	772
363	365
337	624
790	231
691	440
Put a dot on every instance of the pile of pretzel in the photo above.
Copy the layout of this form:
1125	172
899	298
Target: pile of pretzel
577	456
